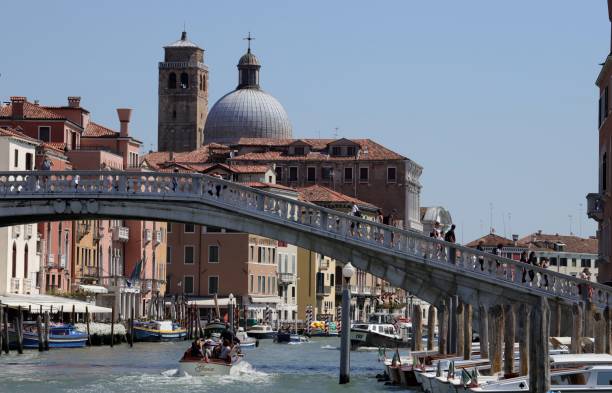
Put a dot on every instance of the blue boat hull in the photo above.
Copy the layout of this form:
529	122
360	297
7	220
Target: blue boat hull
141	334
76	340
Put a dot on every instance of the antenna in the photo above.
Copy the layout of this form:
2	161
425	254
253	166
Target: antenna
580	219
491	217
336	132
570	223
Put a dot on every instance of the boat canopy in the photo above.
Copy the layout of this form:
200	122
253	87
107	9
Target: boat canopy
222	302
265	299
586	358
50	303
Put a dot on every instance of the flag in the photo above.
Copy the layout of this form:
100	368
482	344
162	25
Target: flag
466	378
439	369
135	276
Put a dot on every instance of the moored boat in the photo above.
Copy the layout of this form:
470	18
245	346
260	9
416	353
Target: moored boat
60	336
158	331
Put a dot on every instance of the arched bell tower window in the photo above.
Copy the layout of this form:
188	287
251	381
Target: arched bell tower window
172	81
184	81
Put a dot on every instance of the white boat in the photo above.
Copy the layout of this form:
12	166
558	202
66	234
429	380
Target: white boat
376	335
245	340
261	331
583	379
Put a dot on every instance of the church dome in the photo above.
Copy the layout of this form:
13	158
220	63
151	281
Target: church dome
248	111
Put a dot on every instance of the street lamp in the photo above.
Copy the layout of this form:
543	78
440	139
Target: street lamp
231	310
347	272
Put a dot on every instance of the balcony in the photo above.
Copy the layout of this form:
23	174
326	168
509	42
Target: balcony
158	237
51	260
15	285
595	206
90	271
286	278
62	261
323	290
16	230
121	234
147	285
148	235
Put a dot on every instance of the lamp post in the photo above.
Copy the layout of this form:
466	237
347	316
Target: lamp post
231	310
347	272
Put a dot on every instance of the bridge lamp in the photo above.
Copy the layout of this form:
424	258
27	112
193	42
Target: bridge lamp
348	271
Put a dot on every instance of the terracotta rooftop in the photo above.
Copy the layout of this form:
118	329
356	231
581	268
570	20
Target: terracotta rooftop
546	242
30	111
96	130
322	195
492	240
60	147
11	132
259	184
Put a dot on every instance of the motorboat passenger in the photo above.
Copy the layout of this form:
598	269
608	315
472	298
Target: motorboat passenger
196	349
226	351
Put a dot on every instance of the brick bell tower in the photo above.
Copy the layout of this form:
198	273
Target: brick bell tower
183	97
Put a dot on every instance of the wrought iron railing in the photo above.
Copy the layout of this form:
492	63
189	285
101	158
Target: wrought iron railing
270	207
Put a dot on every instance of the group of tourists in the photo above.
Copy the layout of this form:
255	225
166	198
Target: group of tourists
207	349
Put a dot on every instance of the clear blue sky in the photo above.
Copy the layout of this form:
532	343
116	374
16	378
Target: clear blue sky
495	99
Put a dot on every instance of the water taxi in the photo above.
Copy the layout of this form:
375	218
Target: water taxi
261	331
200	367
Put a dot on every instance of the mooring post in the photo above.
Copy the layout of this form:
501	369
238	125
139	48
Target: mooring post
496	328
589	310
112	338
345	337
555	328
460	328
133	312
73	315
523	317
599	330
576	346
509	334
452	331
539	362
39	327
47	319
87	323
442	328
608	334
417	328
6	333
483	331
467	331
431	327
1	327
19	330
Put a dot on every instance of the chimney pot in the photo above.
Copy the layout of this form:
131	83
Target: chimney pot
124	119
74	102
17	106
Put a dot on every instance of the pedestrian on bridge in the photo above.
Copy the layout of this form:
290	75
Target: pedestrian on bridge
480	247
450	237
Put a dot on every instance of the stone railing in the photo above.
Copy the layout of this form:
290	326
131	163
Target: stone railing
269	207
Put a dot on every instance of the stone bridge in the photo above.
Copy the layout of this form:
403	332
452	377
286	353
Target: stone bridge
431	269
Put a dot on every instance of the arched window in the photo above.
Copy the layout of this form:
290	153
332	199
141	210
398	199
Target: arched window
14	260
172	81
184	81
203	82
25	261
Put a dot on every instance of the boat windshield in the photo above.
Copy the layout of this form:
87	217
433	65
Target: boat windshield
569	379
604	378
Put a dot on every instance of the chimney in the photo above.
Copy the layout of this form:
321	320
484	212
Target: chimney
124	119
17	105
74	102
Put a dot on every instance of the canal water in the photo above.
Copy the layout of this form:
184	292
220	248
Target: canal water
152	367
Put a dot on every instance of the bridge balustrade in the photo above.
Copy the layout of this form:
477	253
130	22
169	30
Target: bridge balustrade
407	244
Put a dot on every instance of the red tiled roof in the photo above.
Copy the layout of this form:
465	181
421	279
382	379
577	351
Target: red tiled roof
60	147
96	130
11	132
492	240
545	242
30	111
259	184
319	194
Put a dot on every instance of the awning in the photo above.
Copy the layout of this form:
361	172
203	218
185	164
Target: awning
222	302
50	303
265	299
93	288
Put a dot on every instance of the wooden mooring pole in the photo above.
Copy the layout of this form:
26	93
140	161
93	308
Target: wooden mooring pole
589	311
131	327
6	333
460	337
555	330
467	331
483	331
87	323
47	321
599	330
608	334
112	326
442	328
496	329
452	331
417	328
39	327
539	362
523	317
509	334
576	346
19	330
1	328
431	327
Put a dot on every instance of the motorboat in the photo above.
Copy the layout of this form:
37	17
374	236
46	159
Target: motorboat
201	367
261	332
62	335
582	379
376	335
158	331
245	340
288	337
